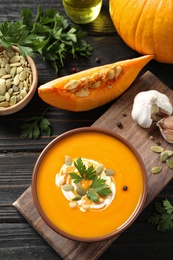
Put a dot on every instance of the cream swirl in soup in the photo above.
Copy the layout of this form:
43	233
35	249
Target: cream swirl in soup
86	184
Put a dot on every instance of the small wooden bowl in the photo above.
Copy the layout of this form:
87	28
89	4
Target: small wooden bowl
23	102
107	148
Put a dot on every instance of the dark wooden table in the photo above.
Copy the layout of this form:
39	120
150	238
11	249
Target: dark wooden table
18	240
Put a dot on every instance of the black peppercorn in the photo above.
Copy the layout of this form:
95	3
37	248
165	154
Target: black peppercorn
125	187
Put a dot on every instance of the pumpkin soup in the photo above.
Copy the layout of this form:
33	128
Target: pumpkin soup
92	217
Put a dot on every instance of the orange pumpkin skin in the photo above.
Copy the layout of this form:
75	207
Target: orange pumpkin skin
94	87
145	25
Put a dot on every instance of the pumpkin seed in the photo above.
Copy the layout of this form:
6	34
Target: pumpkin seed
13	71
2	72
73	204
169	162
109	172
16	64
111	74
4	104
15	58
2	88
68	187
23	93
99	169
7	76
22	60
169	152
16	80
96	84
157	148
163	156
7	68
10	91
15	88
62	180
118	70
86	207
4	63
7	96
68	160
76	198
72	84
12	101
82	93
156	169
81	191
22	75
2	98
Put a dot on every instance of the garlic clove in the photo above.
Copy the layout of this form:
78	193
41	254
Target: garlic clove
148	106
166	128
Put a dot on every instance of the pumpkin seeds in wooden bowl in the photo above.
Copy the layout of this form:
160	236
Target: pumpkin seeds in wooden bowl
18	80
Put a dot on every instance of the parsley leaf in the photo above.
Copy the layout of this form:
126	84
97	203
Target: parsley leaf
97	187
85	173
162	217
33	127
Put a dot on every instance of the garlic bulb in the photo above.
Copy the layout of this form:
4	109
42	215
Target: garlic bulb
166	128
149	104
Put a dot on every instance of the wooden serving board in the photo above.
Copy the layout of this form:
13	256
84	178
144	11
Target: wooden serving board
141	140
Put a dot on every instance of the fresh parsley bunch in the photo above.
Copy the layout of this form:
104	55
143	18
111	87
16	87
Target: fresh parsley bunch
162	217
48	33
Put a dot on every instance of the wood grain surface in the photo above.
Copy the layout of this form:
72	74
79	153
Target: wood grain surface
140	138
18	239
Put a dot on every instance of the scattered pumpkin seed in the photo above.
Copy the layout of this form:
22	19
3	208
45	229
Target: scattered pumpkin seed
76	198
62	180
68	160
169	162
109	172
156	169
157	148
68	187
81	191
86	207
99	169
73	204
163	156
169	152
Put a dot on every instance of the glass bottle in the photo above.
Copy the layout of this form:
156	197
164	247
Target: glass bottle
82	11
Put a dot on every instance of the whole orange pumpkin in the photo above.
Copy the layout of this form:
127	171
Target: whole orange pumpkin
145	25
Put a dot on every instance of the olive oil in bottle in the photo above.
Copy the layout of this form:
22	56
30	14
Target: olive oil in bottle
82	11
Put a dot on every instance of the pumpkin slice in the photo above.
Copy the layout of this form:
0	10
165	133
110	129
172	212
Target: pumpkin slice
94	87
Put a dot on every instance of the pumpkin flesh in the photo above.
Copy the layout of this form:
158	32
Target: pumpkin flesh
94	87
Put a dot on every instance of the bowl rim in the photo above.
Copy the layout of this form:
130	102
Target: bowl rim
136	211
22	103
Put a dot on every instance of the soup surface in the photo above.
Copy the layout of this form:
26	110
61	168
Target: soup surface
110	152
